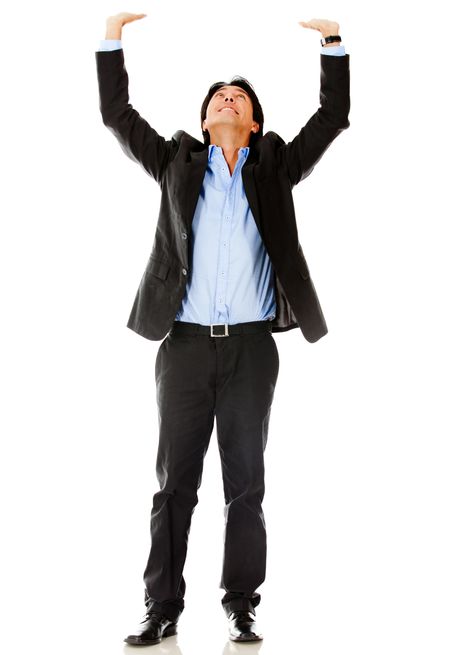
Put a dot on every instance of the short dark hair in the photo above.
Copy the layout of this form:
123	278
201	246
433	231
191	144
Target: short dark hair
258	115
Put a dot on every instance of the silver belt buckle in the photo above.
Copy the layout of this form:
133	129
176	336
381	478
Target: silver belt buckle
219	335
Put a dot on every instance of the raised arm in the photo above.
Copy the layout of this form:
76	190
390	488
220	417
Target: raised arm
300	155
137	138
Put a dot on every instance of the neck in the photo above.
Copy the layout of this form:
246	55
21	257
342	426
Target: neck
230	142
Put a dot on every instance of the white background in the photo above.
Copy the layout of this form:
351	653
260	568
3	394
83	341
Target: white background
357	461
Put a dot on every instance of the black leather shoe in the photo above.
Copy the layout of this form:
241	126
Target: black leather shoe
153	628
242	626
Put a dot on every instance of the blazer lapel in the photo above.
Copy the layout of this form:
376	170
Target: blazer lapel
196	169
248	180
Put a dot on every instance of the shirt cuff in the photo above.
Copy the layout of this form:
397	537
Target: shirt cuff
110	44
334	50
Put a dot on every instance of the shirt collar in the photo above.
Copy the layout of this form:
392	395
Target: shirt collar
243	152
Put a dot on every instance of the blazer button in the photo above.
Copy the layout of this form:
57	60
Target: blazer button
184	271
183	235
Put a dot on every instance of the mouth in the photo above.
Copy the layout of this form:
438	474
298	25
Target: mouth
228	109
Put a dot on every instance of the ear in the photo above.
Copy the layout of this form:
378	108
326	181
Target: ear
255	125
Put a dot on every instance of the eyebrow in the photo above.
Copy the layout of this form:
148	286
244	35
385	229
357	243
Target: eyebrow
228	87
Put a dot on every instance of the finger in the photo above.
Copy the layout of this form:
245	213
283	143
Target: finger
311	27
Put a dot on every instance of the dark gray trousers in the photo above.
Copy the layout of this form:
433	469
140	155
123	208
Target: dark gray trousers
199	377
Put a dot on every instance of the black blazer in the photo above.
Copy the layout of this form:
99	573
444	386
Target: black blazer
270	172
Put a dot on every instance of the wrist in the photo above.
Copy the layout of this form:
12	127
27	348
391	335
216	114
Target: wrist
113	29
330	38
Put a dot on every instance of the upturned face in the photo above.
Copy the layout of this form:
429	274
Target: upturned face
230	106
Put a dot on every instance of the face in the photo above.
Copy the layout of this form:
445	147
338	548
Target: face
232	106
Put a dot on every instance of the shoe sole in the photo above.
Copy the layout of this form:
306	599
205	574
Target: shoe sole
241	639
137	641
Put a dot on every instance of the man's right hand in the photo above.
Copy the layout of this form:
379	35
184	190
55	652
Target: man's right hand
124	17
115	23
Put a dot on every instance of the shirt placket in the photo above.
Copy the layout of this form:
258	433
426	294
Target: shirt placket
221	311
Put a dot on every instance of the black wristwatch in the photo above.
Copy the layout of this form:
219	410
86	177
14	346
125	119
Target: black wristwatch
330	39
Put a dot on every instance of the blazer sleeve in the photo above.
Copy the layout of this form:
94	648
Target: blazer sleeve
137	138
300	155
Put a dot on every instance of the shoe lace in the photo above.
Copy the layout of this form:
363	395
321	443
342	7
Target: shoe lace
243	614
150	613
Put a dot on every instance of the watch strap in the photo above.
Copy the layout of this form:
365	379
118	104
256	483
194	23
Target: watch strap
330	39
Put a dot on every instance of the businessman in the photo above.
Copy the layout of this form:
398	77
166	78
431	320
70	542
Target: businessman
225	271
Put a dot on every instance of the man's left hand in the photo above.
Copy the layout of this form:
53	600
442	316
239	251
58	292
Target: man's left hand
326	27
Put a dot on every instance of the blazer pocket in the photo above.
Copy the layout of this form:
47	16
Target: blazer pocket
158	268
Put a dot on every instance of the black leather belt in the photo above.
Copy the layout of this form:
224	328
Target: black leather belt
220	329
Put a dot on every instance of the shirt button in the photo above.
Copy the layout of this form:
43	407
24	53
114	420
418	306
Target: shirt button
183	235
184	271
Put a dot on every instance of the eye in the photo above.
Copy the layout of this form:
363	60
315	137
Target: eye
220	93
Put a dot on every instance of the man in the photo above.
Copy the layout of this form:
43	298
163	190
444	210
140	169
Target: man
226	262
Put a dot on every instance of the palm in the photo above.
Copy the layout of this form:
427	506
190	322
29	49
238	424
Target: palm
321	25
125	17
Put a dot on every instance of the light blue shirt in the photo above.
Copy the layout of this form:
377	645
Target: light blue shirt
230	273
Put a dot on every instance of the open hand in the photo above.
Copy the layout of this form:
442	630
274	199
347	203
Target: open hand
326	27
124	17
